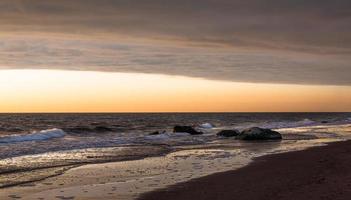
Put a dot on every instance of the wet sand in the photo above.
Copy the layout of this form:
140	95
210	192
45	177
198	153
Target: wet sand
127	180
316	173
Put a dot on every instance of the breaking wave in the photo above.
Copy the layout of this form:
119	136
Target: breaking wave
291	124
206	125
36	136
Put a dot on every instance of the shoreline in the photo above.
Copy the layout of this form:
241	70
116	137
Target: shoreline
100	180
321	172
105	180
87	162
47	172
94	179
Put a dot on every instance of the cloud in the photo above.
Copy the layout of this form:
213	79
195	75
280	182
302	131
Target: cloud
226	64
285	41
291	24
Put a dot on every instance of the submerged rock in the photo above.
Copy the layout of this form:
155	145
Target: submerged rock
103	129
228	133
186	129
157	133
256	133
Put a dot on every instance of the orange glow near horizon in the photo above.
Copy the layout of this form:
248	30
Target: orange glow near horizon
77	91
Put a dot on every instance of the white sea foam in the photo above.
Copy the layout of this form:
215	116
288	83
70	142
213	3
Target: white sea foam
291	124
36	136
206	125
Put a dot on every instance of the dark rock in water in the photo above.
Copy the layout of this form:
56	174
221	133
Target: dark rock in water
324	122
103	129
157	133
186	129
256	133
228	133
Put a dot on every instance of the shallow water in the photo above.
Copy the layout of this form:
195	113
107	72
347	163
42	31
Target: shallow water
33	147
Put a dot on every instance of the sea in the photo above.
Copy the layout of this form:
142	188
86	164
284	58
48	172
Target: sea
34	147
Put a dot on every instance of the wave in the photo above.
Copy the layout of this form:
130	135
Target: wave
36	136
17	170
291	124
206	125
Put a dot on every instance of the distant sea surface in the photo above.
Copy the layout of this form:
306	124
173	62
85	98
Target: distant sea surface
35	146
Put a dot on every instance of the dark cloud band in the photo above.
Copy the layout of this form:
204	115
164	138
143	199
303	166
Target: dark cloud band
279	33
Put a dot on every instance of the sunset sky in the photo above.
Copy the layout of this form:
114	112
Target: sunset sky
175	56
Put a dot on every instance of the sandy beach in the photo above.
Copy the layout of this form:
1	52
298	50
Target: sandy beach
212	170
128	179
203	174
316	173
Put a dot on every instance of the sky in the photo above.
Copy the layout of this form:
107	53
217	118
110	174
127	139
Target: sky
288	45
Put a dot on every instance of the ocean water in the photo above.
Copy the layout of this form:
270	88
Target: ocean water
36	146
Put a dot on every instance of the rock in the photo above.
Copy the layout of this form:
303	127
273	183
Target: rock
324	122
256	133
186	129
157	133
228	133
103	129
